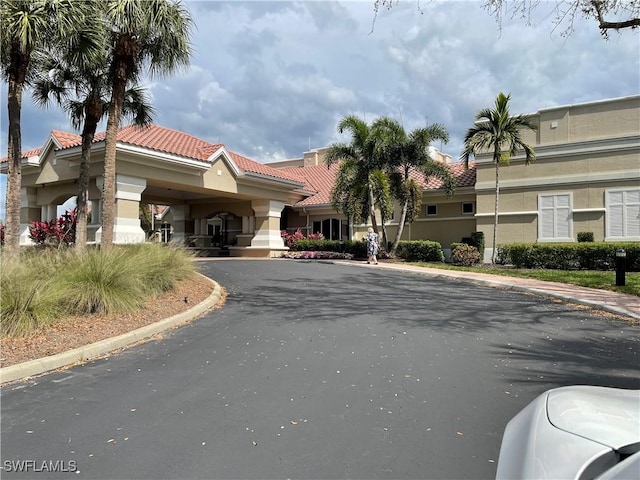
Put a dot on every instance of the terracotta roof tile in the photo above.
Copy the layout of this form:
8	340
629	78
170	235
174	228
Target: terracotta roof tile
252	166
321	180
466	177
318	178
66	139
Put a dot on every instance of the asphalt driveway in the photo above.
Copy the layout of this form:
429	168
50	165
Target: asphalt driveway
316	370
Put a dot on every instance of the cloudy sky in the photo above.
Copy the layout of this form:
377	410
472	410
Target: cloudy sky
272	79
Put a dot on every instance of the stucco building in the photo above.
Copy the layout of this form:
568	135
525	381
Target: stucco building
586	177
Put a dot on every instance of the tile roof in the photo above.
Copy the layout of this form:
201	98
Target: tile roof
166	140
252	166
66	139
320	179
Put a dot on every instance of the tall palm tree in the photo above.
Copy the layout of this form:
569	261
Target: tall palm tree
497	131
27	27
153	34
406	152
361	184
83	91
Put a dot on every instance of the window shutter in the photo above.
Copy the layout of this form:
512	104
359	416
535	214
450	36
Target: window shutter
632	203
623	214
563	216
546	217
555	217
615	220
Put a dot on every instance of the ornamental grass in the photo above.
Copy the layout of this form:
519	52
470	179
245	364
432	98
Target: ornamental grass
44	285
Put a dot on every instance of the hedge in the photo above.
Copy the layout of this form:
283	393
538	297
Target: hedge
420	251
569	256
356	248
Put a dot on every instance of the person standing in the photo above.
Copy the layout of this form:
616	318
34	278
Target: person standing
373	245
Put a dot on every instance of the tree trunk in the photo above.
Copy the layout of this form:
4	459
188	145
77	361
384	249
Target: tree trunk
403	217
90	126
372	211
17	75
495	216
113	122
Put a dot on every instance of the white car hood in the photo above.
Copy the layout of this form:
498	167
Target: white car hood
609	416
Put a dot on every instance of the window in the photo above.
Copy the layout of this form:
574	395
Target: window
623	214
555	218
331	228
432	210
467	208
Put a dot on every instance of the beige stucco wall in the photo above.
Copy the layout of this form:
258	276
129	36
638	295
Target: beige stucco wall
612	118
582	150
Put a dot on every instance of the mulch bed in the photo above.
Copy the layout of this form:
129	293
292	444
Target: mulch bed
77	331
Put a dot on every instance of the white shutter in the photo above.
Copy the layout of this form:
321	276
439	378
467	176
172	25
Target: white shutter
615	216
623	214
563	217
555	217
632	213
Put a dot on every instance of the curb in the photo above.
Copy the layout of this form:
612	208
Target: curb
93	350
521	288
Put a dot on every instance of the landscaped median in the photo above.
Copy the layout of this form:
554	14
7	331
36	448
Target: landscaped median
59	306
96	349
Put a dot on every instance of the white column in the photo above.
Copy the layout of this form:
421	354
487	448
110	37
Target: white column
126	229
267	221
28	203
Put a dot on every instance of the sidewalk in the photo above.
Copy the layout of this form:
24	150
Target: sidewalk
612	302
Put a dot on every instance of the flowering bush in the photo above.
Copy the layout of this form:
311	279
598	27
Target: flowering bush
291	239
318	255
2	233
463	254
61	231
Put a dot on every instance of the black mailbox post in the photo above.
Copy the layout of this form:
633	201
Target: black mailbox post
621	260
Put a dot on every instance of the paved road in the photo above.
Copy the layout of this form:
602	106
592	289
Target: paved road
317	370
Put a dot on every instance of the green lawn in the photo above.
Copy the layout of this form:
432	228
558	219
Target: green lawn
584	278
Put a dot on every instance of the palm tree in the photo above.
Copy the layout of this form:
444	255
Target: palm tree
361	185
152	34
83	92
404	153
27	27
497	131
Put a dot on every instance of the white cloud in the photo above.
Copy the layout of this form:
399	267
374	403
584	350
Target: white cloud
270	79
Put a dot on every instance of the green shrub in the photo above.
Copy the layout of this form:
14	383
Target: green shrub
356	248
420	251
585	236
314	245
569	256
477	240
465	255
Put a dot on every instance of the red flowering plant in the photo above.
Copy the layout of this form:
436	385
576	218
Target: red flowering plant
2	227
58	232
291	239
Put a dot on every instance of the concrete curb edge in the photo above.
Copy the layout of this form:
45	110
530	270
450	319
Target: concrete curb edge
93	350
508	286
